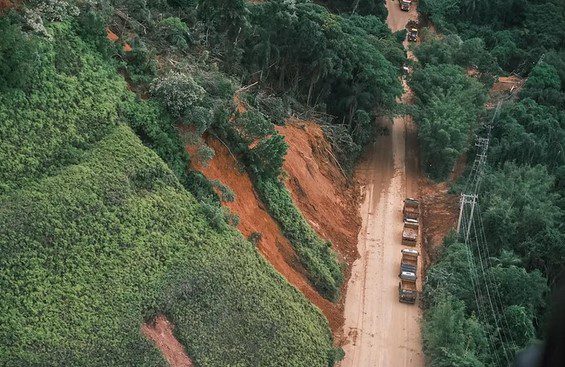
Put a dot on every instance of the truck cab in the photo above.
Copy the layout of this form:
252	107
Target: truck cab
412	34
405	4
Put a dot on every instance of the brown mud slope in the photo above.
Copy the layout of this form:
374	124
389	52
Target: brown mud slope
160	332
253	217
326	198
440	210
506	84
503	87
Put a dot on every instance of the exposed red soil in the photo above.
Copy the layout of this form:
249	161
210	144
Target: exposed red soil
160	332
504	86
507	84
254	218
326	198
319	188
111	35
440	211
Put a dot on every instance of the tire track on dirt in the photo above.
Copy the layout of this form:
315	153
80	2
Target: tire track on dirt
388	332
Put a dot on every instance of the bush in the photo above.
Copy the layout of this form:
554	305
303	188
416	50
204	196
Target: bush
267	157
226	194
178	92
140	62
174	31
255	238
253	125
204	155
346	149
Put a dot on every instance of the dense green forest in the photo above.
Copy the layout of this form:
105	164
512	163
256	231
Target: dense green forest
489	299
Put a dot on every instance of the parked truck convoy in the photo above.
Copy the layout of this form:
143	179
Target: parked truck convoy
405	4
407	290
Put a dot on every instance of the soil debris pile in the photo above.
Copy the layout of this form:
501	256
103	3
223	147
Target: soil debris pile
326	198
439	215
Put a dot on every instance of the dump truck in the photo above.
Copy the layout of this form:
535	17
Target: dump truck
410	232
411	209
409	262
407	292
405	4
412	34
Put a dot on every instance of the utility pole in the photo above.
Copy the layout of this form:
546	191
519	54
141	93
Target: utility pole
466	199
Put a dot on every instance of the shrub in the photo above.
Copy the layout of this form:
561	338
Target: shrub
226	194
204	154
174	31
178	92
267	156
255	238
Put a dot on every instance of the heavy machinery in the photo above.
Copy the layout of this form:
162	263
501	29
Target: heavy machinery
410	232
409	262
412	34
411	209
405	4
407	292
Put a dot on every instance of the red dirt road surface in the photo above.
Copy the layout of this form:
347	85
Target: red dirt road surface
379	330
160	332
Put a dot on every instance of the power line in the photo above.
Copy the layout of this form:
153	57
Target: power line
497	297
494	312
469	199
477	294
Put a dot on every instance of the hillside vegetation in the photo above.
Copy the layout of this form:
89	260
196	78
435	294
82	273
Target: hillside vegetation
100	234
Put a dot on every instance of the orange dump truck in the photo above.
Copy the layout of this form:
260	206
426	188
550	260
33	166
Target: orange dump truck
409	262
410	232
411	209
407	292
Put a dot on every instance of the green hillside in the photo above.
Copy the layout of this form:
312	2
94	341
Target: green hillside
99	235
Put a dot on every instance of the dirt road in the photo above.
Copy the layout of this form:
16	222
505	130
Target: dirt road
397	19
380	331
